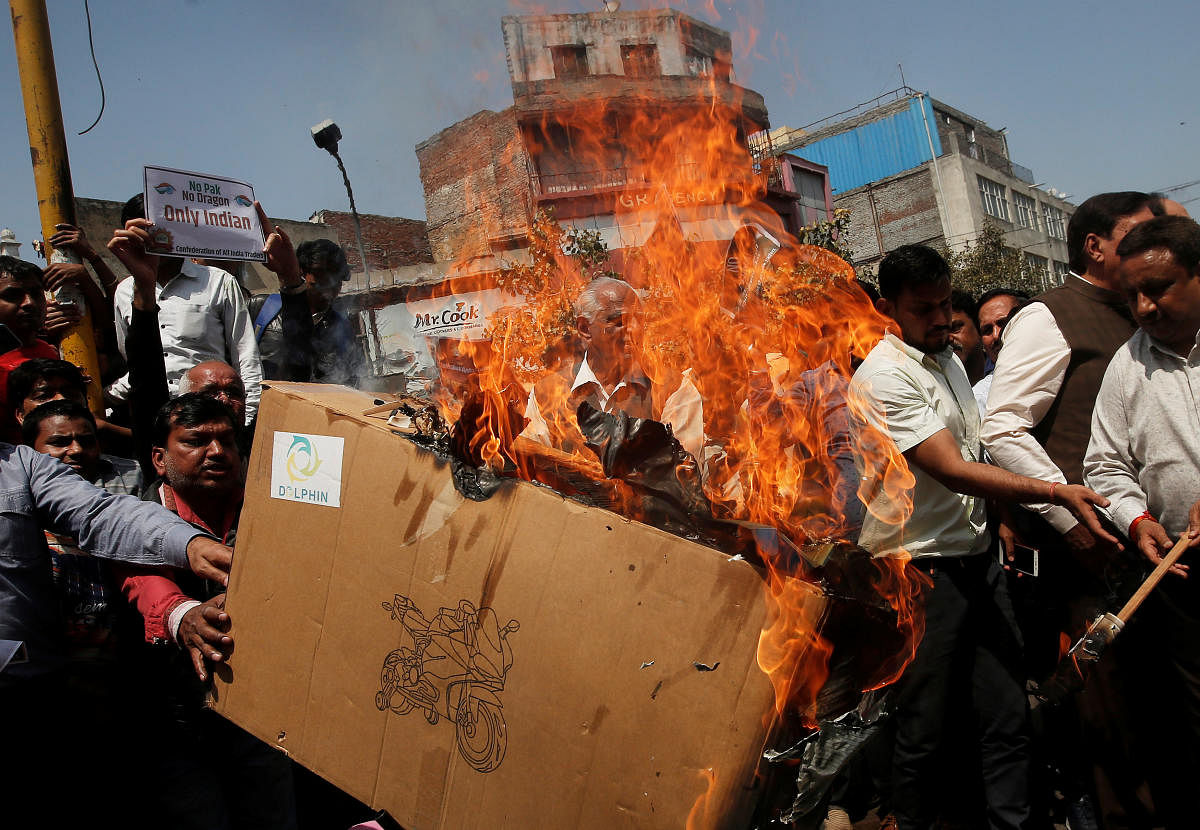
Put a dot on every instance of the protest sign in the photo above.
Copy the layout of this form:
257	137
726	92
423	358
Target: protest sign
196	215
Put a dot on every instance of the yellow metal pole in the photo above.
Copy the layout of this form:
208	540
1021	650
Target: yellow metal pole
51	167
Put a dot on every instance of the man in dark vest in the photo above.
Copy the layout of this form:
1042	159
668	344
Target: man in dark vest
1038	423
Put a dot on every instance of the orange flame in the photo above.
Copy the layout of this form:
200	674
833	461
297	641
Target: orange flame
767	331
701	815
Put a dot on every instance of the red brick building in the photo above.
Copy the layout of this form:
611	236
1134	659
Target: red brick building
594	95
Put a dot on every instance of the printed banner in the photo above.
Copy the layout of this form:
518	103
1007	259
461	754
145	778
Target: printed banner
196	215
307	468
409	332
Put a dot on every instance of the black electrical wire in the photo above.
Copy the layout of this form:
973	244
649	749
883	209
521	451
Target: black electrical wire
99	80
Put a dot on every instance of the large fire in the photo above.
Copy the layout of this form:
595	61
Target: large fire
768	331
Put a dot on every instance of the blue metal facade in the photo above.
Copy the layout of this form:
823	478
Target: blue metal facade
877	149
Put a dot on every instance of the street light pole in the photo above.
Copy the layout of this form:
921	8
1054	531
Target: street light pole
326	135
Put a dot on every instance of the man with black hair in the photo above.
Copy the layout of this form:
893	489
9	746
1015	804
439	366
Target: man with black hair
65	429
913	388
1144	455
991	316
1038	423
964	335
211	773
301	335
201	312
22	313
42	380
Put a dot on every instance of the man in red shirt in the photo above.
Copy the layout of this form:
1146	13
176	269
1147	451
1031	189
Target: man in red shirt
22	313
209	773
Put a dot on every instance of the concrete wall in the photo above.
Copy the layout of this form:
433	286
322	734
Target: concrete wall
528	40
390	241
965	127
907	209
477	187
965	215
898	210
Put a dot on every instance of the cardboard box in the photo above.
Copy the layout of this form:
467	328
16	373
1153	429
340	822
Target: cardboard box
374	642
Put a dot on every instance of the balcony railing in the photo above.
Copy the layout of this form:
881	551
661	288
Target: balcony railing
992	159
591	181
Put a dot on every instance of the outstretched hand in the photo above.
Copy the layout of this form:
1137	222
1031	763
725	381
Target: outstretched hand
209	559
1081	502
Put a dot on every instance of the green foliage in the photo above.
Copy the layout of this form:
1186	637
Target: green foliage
989	263
829	234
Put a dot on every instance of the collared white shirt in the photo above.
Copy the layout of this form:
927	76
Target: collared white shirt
980	390
202	316
910	396
683	411
1029	374
1144	452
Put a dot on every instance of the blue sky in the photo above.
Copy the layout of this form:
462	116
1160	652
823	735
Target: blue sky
1096	96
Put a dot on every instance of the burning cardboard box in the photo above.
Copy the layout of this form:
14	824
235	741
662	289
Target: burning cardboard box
522	661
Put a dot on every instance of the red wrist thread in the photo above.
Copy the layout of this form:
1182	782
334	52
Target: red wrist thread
1133	525
1053	484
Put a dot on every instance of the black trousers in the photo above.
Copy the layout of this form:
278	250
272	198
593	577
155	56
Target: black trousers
968	659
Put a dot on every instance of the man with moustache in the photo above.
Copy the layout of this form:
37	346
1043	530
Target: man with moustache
1144	455
913	388
1038	423
991	316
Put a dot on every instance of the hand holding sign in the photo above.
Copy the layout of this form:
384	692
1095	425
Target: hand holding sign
281	256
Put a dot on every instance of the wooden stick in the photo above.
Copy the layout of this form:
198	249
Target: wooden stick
1143	591
383	407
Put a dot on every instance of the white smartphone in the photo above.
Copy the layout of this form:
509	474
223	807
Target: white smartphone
1024	559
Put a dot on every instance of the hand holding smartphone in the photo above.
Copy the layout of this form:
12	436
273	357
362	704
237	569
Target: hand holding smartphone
1021	558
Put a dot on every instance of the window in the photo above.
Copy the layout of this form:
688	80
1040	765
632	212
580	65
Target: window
569	61
1061	269
1039	264
1056	224
700	65
811	188
1025	210
640	60
992	194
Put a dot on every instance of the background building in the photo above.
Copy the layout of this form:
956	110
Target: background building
914	170
593	96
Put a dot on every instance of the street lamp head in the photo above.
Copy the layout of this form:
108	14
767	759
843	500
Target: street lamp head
326	136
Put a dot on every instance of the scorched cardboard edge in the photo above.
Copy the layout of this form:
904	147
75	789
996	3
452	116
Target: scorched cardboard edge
526	661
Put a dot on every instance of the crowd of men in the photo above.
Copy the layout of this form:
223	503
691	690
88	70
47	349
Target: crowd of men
1065	424
119	530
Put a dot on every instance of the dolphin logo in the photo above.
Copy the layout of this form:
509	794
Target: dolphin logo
302	459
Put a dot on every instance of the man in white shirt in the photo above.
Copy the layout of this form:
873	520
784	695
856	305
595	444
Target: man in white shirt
991	316
202	315
609	377
1144	456
915	390
1038	423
